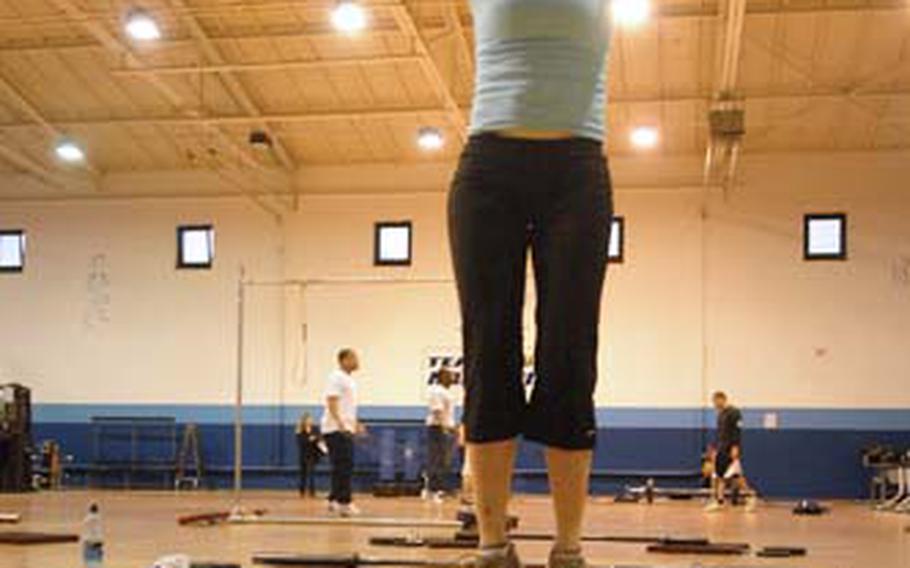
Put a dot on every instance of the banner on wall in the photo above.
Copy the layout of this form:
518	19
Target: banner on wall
439	361
455	364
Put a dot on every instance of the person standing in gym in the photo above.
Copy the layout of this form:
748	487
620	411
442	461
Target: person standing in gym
309	452
727	453
533	175
441	430
339	426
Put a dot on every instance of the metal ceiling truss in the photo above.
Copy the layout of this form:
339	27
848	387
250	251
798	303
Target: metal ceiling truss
97	30
725	118
405	18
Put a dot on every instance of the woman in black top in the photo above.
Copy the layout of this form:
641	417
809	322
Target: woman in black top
309	452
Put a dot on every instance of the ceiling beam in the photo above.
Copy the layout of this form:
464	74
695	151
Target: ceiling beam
839	93
241	120
461	37
817	92
32	167
405	19
225	9
21	160
113	44
308	65
732	38
42	43
856	94
52	132
729	50
233	84
232	177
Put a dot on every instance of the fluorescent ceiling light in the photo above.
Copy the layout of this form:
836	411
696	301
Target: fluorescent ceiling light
69	151
349	17
141	26
644	137
631	13
430	139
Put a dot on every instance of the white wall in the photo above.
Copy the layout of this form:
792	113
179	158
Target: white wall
773	329
833	334
169	335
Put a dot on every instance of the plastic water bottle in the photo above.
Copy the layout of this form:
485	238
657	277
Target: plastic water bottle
92	538
649	490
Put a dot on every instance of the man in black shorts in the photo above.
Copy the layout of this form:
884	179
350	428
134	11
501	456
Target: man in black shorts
728	453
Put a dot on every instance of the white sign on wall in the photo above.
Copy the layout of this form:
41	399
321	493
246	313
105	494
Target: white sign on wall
439	361
455	364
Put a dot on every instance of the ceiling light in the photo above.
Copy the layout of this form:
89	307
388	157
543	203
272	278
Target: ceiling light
349	17
631	12
69	151
141	26
645	137
430	139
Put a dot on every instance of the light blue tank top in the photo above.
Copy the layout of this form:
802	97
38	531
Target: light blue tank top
541	65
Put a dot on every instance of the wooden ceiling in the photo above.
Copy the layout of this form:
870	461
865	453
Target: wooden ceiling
812	75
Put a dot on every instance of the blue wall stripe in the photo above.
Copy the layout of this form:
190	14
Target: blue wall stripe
860	419
783	463
210	413
894	419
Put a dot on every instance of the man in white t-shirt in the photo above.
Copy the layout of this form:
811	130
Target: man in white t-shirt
339	426
440	433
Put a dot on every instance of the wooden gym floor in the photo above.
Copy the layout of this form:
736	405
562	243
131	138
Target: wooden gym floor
141	526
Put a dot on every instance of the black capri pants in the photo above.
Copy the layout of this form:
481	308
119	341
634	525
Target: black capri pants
554	198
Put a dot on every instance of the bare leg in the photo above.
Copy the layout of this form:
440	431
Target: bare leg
492	465
569	472
467	485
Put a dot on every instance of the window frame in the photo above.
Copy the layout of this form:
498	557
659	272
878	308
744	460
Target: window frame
808	255
621	258
21	234
181	229
377	242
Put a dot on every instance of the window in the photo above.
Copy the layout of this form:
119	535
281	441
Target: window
393	244
12	251
195	246
616	251
825	236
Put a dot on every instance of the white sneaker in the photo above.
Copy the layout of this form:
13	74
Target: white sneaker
562	559
349	510
425	494
438	498
334	506
504	557
713	507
